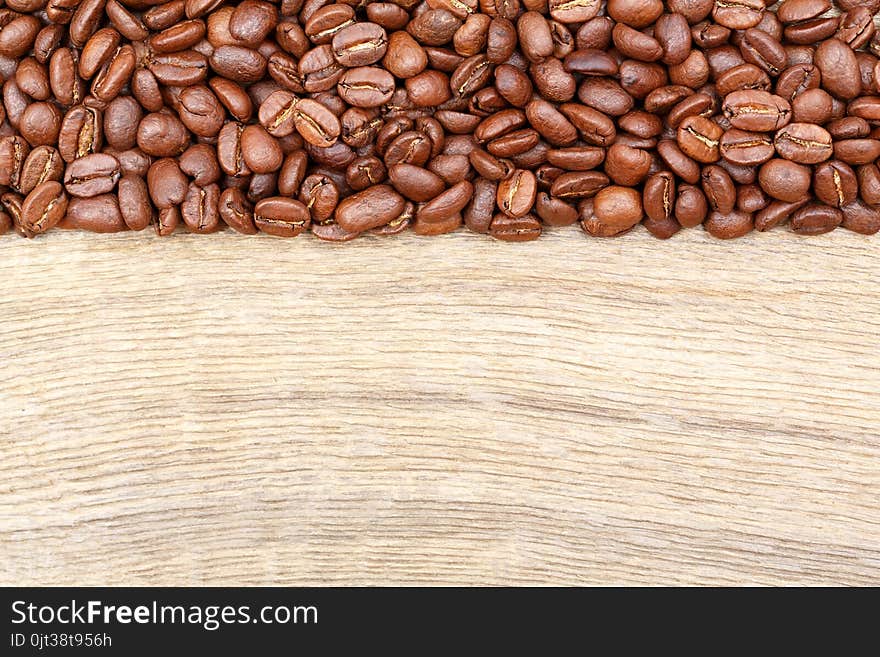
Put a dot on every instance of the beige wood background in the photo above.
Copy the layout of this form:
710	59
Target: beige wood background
230	410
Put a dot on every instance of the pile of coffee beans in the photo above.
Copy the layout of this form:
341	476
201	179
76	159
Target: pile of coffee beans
505	116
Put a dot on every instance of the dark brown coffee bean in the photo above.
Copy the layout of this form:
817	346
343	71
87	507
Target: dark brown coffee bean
44	207
515	229
92	175
366	86
615	210
835	183
428	89
805	143
200	208
744	77
699	138
134	202
98	214
415	183
785	180
162	135
746	148
861	218
691	207
281	217
236	211
360	44
166	183
42	164
321	196
238	64
763	50
120	122
260	151
658	197
578	184
252	21
375	206
626	165
516	194
757	111
680	164
751	199
738	14
479	212
815	219
869	183
857	151
719	189
839	67
446	204
730	225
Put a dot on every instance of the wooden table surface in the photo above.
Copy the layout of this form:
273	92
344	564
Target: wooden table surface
227	410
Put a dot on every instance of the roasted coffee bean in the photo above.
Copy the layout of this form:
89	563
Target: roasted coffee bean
415	183
751	198
134	202
44	207
699	138
658	197
746	148
861	218
615	210
42	164
375	206
691	207
839	68
162	135
92	175
785	180
366	86
281	217
835	183
200	208
729	225
805	143
236	211
719	189
97	214
516	194
756	110
166	183
515	229
815	219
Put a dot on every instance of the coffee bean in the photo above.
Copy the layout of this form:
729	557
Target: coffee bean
92	175
815	219
615	210
785	180
861	218
134	202
44	207
200	208
516	194
699	138
375	206
756	110
729	225
515	229
97	214
281	217
691	207
805	143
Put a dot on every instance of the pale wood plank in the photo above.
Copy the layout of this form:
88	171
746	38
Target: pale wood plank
228	410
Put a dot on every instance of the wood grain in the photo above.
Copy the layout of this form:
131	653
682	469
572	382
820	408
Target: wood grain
228	410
